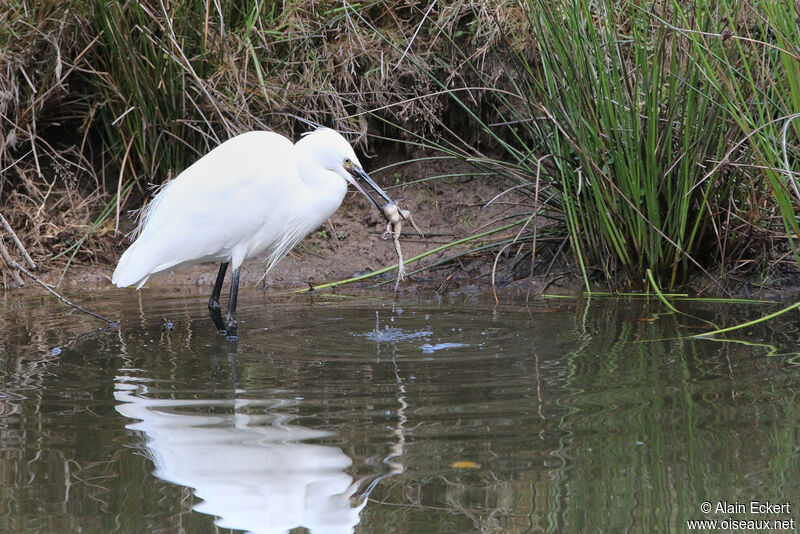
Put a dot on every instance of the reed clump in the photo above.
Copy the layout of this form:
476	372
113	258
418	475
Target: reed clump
664	138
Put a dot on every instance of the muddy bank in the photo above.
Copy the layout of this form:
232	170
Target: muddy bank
351	241
451	204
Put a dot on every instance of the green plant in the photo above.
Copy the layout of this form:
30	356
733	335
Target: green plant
752	64
615	122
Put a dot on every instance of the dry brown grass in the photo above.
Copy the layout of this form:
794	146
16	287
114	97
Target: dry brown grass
98	100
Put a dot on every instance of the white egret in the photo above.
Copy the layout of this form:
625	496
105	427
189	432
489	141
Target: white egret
255	194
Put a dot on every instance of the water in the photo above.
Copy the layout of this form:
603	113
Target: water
354	414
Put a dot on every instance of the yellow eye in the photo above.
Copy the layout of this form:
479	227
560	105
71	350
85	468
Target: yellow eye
347	162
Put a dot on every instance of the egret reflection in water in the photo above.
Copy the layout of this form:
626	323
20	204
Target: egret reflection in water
254	472
579	419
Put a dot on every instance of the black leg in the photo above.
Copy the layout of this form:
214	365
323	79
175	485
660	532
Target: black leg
231	317
213	302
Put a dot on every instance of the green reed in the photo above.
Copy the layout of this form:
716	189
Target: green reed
671	145
751	61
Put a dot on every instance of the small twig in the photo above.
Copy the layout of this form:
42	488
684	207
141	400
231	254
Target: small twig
14	265
17	242
725	159
537	207
334	235
786	166
33	146
7	258
494	270
413	37
119	183
533	218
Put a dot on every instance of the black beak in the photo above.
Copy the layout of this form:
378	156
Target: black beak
359	175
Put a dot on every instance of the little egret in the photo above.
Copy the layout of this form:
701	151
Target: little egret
255	194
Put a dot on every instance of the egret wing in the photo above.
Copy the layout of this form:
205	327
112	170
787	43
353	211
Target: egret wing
231	204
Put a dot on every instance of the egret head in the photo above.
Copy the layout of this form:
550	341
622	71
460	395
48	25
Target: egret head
330	149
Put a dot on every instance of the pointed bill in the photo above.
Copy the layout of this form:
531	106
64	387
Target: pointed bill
359	176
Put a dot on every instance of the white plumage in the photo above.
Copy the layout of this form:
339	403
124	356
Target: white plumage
256	194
